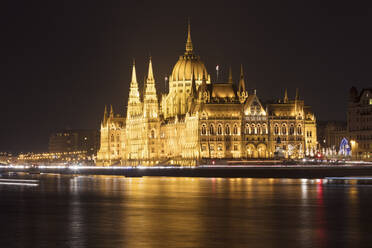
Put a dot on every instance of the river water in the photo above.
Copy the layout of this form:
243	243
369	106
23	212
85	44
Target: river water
109	211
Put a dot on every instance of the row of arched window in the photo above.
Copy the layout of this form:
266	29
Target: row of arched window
219	131
251	129
255	129
283	130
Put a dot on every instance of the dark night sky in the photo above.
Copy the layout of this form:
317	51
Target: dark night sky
62	61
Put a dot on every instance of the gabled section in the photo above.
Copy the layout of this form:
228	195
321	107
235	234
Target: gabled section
253	106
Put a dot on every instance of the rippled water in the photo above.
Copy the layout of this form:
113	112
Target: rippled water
105	211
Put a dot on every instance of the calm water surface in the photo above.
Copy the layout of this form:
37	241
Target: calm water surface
106	211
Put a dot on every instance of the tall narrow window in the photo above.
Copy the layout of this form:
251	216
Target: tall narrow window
246	131
204	130
299	130
235	129
284	130
227	130
276	129
219	129
211	130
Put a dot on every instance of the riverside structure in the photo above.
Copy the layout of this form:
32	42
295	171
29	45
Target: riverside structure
198	119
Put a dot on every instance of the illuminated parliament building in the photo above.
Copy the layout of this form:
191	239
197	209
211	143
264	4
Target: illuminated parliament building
199	120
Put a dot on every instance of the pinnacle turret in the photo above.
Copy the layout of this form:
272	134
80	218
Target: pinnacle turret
150	98
242	93
285	96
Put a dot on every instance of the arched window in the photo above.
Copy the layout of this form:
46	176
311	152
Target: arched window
276	129
299	130
264	129
112	138
291	129
118	138
211	129
246	131
204	130
284	129
219	129
235	129
253	129
258	129
227	130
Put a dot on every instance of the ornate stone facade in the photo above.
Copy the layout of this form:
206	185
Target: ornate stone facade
198	120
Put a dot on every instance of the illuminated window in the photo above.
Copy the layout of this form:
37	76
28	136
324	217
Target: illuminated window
284	129
370	101
227	130
276	129
219	129
204	130
299	130
258	129
246	131
235	129
264	129
211	130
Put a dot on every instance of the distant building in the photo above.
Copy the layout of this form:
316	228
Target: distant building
359	123
331	133
74	140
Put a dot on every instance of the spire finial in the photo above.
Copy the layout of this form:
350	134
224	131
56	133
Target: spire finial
150	75
105	115
285	96
134	77
111	111
230	76
189	47
241	81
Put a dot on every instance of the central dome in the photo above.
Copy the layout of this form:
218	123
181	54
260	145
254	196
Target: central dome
186	65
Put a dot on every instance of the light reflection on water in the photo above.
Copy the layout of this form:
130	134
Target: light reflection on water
110	211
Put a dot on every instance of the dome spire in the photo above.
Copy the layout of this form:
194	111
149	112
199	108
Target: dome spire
189	47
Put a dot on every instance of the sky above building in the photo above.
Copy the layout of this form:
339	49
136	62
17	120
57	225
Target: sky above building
62	61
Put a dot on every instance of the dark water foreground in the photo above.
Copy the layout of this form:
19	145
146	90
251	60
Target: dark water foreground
111	211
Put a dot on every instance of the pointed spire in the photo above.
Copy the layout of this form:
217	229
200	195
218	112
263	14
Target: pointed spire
189	47
285	96
111	112
105	115
230	76
134	76
242	93
241	81
150	75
